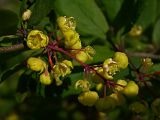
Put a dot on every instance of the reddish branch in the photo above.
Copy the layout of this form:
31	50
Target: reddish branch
55	47
11	48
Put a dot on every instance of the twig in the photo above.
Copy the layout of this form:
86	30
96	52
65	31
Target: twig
144	55
11	48
86	66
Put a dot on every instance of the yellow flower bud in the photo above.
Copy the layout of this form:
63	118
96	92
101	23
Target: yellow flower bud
61	69
119	98
155	106
88	98
82	56
121	59
90	50
66	23
36	39
77	45
120	88
36	64
72	40
147	62
83	84
136	30
68	63
45	78
138	107
26	15
131	89
99	86
105	104
110	68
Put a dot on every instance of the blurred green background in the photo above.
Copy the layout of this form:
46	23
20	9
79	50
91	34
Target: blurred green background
98	23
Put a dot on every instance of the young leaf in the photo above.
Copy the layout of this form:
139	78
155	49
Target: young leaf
89	18
112	8
40	10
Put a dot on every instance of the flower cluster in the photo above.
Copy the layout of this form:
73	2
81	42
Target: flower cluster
61	69
60	65
72	40
38	65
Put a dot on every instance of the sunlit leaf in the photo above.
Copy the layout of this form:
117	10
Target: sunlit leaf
89	18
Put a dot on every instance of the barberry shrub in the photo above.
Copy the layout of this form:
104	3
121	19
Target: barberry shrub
80	60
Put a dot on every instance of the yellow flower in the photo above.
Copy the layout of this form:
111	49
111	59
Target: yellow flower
138	107
119	98
36	64
105	104
110	68
120	88
131	89
61	69
45	78
121	59
88	98
72	40
136	30
26	15
66	23
36	39
83	84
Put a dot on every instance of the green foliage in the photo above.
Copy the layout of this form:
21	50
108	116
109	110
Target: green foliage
90	23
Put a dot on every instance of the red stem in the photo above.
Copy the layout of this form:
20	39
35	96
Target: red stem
86	66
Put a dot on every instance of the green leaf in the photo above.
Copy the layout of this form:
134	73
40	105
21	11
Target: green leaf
40	10
154	68
147	12
71	89
112	8
89	18
10	64
9	86
102	53
8	40
8	22
156	34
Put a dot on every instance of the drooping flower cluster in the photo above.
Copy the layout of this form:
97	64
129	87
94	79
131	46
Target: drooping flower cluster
61	69
72	40
56	68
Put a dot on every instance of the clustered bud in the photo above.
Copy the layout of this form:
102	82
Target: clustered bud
136	30
61	69
113	65
101	73
38	65
72	41
88	98
26	15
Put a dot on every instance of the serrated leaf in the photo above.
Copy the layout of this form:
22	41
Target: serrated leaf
90	20
40	10
156	34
